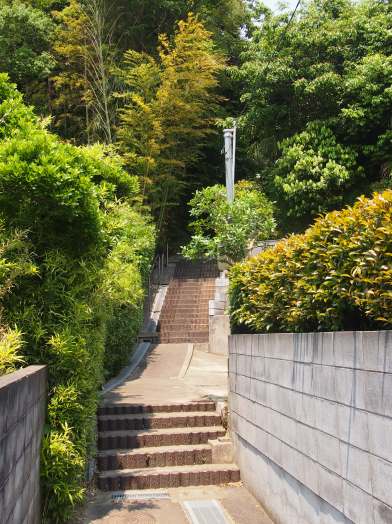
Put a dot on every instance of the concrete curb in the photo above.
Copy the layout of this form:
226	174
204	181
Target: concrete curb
187	361
141	350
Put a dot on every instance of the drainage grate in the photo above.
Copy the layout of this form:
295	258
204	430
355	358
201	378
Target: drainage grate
205	512
124	496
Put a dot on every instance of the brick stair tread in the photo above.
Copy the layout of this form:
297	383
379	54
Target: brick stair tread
199	340
152	457
186	323
186	310
167	469
141	416
195	340
160	431
160	408
193	286
178	329
185	293
172	315
178	316
143	438
154	449
181	333
186	301
169	477
158	420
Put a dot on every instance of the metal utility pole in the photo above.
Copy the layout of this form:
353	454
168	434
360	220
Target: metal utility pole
230	136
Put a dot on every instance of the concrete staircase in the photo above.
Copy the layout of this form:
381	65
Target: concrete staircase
160	446
184	316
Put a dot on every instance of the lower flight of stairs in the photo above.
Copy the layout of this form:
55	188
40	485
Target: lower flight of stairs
160	446
184	316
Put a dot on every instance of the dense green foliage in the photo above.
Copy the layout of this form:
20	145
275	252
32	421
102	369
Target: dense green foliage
25	41
14	114
74	62
224	231
125	276
336	276
46	186
136	92
317	97
88	252
15	263
167	115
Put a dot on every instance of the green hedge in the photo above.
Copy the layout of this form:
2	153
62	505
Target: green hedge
124	279
79	309
336	276
15	263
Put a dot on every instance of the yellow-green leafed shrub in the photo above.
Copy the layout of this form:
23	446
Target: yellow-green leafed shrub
62	471
72	284
15	264
336	276
123	281
10	344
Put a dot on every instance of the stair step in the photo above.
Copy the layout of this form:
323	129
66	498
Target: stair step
183	298
123	408
162	456
182	340
174	324
197	284
129	439
170	477
180	328
181	336
158	421
174	315
183	332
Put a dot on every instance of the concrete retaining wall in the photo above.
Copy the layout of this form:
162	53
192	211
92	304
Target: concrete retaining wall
311	419
219	321
22	417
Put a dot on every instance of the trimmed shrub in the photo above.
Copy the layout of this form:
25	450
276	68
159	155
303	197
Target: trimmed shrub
46	187
336	276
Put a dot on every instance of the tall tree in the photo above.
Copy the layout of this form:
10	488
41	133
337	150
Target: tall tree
84	86
169	111
26	34
318	100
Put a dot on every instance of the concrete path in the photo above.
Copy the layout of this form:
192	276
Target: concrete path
174	373
238	505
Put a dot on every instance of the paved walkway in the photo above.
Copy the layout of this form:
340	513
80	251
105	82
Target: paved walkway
174	373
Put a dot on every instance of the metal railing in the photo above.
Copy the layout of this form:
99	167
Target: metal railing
159	264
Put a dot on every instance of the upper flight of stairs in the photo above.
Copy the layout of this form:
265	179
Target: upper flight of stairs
160	446
184	316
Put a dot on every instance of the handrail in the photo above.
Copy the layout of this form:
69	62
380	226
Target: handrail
160	261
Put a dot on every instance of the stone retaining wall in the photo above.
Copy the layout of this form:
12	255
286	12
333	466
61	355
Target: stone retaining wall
22	417
219	320
311	419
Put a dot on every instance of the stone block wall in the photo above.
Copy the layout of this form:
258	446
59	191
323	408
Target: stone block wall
22	417
311	420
